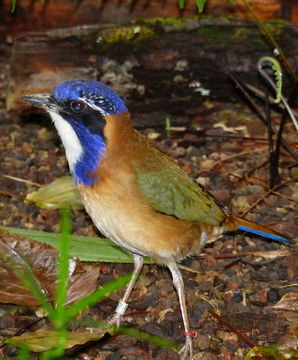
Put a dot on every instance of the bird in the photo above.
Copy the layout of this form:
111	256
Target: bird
135	195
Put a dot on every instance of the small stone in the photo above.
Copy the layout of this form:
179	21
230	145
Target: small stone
179	152
273	296
26	147
193	151
204	181
202	342
228	296
178	79
113	356
181	65
226	336
7	321
207	165
281	210
153	135
205	286
222	195
205	356
233	286
167	354
259	298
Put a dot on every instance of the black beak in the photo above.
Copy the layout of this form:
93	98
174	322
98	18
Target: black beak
43	101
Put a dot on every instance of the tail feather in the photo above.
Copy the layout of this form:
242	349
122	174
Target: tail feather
234	223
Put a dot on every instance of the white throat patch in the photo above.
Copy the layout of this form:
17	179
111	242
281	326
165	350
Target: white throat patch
70	140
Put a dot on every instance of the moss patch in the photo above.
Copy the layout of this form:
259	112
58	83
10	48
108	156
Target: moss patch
130	33
221	34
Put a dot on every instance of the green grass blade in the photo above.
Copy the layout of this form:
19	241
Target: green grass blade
23	354
63	266
200	5
181	4
147	337
13	5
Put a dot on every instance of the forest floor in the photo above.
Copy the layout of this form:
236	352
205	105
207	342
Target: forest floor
225	149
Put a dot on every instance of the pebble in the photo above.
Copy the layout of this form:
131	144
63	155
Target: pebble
179	152
205	356
202	342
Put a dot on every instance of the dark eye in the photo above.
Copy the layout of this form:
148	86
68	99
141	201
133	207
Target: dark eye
77	106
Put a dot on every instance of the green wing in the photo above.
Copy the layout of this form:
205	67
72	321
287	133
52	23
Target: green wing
171	191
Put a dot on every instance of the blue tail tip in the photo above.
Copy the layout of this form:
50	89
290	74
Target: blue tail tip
269	236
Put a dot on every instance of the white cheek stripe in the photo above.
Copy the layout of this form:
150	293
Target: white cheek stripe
70	140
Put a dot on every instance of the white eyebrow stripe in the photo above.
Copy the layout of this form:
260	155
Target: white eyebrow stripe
93	106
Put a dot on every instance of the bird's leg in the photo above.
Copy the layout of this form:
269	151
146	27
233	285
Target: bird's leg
186	351
122	304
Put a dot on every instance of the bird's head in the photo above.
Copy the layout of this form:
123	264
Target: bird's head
79	110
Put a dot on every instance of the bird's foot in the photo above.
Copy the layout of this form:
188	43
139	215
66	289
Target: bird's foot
186	351
115	320
119	312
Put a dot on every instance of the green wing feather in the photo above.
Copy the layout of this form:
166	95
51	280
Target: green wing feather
171	191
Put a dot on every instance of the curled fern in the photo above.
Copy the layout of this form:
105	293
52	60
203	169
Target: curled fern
277	74
277	87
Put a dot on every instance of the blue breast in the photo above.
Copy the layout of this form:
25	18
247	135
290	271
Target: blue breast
93	150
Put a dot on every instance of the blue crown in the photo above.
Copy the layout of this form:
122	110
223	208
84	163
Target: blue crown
93	91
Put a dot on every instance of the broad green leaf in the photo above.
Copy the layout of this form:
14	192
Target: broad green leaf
60	193
83	247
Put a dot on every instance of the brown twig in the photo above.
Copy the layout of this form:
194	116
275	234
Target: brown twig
29	182
232	328
264	254
244	178
244	138
273	159
257	167
269	192
222	161
8	193
261	95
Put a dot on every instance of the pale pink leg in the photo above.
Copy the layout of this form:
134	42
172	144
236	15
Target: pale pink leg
186	351
122	305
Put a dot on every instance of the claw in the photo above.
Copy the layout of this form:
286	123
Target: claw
115	320
186	351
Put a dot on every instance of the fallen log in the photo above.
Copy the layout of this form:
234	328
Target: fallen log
167	66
